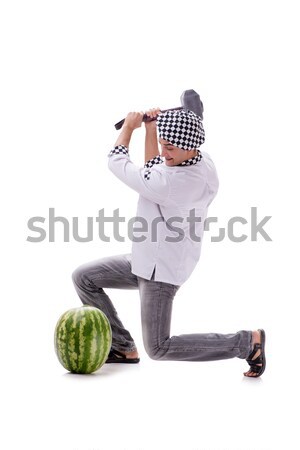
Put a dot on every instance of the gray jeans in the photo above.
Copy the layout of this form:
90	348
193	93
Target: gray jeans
90	280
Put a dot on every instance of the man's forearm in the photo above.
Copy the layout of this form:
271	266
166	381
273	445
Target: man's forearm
151	145
124	136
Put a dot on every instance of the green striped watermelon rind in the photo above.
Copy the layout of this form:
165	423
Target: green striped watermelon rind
82	339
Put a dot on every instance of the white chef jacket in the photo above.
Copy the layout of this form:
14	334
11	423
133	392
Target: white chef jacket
168	196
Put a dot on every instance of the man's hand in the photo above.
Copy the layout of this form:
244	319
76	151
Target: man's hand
152	113
134	120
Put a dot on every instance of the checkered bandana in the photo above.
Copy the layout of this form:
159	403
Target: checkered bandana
182	128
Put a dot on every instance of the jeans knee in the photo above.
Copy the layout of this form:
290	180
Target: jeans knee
154	352
77	276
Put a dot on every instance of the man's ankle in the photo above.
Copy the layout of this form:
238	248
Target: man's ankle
255	337
132	352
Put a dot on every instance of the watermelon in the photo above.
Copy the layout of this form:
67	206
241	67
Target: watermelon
82	339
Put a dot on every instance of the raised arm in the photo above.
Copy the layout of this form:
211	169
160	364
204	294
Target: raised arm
132	121
154	186
151	145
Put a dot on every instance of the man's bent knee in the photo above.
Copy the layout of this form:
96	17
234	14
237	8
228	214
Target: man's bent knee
154	352
77	276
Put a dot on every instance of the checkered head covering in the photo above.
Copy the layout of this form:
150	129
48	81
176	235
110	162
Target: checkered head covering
182	128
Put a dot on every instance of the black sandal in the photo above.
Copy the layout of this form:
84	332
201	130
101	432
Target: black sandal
260	359
115	356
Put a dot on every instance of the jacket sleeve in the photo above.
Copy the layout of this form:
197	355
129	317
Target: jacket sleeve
149	181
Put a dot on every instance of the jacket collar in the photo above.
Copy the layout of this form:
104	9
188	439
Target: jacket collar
192	161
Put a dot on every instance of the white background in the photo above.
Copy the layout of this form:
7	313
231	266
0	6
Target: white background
69	71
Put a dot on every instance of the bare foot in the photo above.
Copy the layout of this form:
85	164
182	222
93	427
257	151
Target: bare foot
131	355
256	338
